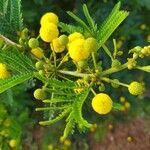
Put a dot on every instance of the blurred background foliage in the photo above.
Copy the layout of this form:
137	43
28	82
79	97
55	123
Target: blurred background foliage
18	119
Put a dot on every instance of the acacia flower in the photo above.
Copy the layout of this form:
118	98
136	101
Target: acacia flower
102	103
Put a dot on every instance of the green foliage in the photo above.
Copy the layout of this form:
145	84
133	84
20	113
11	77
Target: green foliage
104	31
17	62
11	20
20	65
115	18
14	80
64	102
70	28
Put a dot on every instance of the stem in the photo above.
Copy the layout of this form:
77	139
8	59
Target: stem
107	51
112	81
94	60
74	73
62	61
113	70
51	108
8	41
115	48
94	93
54	55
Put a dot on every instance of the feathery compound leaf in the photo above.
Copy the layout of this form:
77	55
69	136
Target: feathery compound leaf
89	18
80	21
59	117
64	99
77	111
70	28
68	129
10	18
16	15
16	61
111	23
15	80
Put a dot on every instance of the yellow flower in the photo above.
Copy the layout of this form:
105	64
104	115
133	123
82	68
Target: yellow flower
49	18
74	36
136	88
57	46
102	103
127	105
48	32
77	51
12	143
50	147
3	71
110	126
67	142
129	139
37	52
123	108
122	99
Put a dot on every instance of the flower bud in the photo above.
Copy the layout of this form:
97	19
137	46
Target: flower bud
115	63
136	88
33	43
39	94
63	39
101	87
114	83
91	44
13	143
37	52
39	65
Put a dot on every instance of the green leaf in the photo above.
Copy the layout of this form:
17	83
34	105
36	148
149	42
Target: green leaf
70	28
16	15
59	117
80	21
15	80
111	23
16	61
117	106
10	18
144	68
77	111
90	20
107	51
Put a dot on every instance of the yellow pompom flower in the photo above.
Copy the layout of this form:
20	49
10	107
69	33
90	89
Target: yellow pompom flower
49	17
102	103
37	52
48	32
13	143
74	36
56	46
3	71
136	88
77	51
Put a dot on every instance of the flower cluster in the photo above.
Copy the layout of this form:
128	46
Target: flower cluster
80	48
